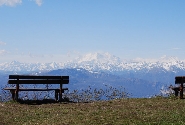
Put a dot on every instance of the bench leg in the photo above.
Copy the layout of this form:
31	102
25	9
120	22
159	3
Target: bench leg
176	92
13	94
181	91
60	96
60	93
16	95
56	95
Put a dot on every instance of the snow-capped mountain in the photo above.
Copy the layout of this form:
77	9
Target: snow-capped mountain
96	62
139	76
100	62
99	58
108	62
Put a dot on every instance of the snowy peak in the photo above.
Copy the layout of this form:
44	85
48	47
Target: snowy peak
168	59
96	62
99	58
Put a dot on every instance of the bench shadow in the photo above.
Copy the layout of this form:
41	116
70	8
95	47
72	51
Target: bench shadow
40	102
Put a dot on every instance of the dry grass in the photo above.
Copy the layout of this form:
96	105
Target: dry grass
115	112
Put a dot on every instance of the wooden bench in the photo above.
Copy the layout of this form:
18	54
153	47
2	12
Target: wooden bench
179	80
30	79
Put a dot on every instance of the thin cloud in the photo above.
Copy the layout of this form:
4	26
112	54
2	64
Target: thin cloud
39	2
2	52
10	2
176	48
15	2
2	43
31	55
36	55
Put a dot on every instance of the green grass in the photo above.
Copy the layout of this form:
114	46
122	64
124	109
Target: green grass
116	112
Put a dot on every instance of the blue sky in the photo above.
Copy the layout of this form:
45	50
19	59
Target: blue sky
58	30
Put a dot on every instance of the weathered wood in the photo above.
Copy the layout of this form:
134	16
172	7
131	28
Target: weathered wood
35	89
37	77
176	89
181	91
39	81
60	92
179	79
56	95
28	79
13	93
17	90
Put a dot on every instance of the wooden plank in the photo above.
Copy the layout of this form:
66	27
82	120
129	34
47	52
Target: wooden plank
39	89
9	89
179	79
181	91
36	77
39	81
34	89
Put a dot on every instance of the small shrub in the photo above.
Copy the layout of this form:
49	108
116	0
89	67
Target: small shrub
89	94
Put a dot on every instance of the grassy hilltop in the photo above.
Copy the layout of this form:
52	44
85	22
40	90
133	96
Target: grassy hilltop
116	112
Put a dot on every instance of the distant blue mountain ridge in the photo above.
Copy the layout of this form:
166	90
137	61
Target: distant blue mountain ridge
138	84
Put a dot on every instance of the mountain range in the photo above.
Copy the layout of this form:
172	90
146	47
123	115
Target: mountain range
99	62
141	77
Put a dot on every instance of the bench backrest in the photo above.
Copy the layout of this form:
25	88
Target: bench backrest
30	79
179	79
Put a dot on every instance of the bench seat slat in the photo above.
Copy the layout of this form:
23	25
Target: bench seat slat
34	89
38	81
36	77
